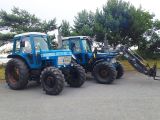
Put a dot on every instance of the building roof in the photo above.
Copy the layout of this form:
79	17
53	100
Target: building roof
29	33
71	37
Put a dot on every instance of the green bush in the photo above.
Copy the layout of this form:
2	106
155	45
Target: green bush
6	37
148	54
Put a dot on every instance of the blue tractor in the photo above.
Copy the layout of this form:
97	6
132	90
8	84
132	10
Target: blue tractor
33	59
102	65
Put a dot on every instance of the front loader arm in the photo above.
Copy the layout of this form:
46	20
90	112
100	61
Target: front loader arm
138	62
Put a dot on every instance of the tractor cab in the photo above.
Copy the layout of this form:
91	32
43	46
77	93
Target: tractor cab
80	47
34	48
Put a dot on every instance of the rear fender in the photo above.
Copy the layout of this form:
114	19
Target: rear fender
103	60
74	58
98	61
21	58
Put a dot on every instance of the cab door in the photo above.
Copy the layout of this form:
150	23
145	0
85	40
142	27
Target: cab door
76	48
87	52
26	49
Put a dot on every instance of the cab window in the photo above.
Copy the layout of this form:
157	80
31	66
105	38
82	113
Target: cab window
65	44
86	46
75	46
27	46
40	43
17	46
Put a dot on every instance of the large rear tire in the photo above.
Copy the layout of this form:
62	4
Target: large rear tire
76	76
104	73
120	70
52	80
16	74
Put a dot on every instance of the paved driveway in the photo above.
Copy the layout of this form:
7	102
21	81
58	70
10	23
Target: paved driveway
134	97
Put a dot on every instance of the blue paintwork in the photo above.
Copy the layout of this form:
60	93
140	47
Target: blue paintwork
38	58
87	56
107	55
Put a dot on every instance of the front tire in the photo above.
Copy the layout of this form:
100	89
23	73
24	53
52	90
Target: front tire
77	76
52	80
120	70
16	74
104	73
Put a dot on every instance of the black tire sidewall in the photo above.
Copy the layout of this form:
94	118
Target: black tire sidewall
111	73
81	76
23	74
58	77
120	70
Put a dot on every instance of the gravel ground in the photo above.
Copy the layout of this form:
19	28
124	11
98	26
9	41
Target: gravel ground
134	97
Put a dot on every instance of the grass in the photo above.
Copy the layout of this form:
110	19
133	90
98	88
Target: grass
1	73
126	65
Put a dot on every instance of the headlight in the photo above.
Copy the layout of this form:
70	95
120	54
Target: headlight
113	60
64	60
73	57
121	53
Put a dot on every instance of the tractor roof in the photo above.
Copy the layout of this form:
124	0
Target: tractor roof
29	33
72	37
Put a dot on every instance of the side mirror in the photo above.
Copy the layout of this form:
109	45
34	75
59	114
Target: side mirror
22	43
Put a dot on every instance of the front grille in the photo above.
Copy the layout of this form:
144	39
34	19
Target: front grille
47	63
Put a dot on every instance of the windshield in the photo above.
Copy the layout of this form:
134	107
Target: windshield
40	43
86	46
65	44
75	45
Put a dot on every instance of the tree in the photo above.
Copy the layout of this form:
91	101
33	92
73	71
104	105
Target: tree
65	28
123	22
6	37
84	23
141	22
151	44
22	21
99	24
156	24
48	26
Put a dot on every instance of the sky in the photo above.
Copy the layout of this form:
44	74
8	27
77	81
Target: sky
68	9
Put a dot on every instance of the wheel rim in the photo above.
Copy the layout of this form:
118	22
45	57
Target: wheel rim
50	81
13	74
103	72
74	74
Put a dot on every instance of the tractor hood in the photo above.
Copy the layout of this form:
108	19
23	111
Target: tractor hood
54	53
107	54
56	58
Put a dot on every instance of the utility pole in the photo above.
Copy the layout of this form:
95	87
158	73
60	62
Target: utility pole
106	43
59	36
